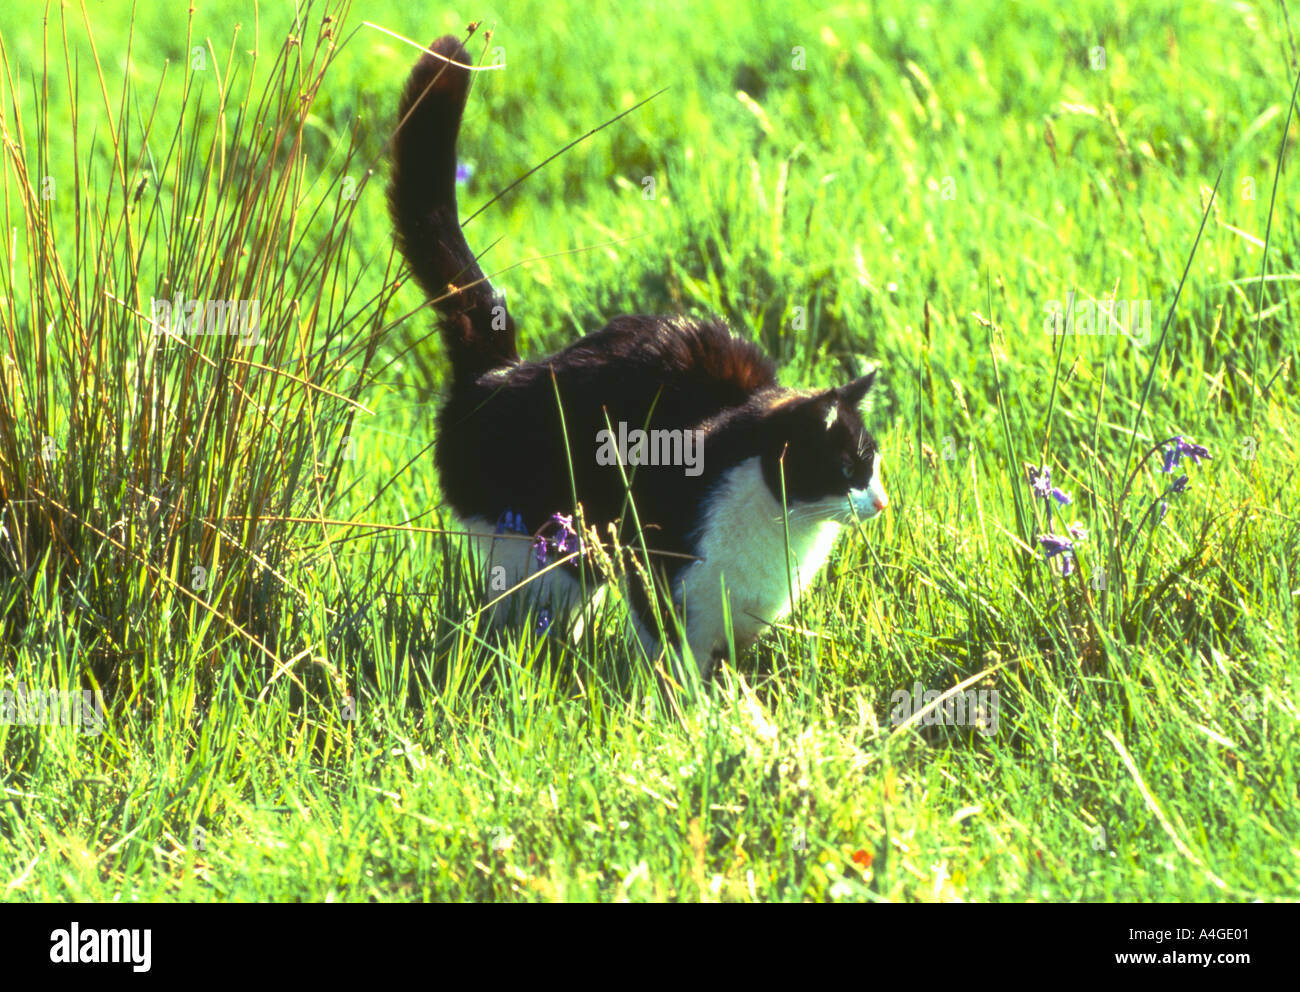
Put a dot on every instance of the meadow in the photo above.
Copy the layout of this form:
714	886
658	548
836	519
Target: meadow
240	544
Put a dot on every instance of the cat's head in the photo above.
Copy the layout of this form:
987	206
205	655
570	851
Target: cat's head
830	461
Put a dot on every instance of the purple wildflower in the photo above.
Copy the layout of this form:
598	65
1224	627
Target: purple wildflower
1042	483
1178	486
511	523
1176	447
1054	544
464	172
1196	452
563	539
543	620
565	523
1180	446
1173	454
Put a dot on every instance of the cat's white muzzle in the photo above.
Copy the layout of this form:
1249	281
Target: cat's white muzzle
870	501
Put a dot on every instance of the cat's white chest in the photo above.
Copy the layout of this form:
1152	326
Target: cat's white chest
743	543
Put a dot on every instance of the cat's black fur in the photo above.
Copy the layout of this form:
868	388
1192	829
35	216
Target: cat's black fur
500	444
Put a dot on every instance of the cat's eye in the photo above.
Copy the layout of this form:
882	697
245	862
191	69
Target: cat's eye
848	468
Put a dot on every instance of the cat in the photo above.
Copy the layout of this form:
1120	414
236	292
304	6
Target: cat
518	440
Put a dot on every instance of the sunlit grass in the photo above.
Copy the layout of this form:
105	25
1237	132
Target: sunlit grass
917	188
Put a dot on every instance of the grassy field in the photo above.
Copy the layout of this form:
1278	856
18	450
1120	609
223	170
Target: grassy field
243	546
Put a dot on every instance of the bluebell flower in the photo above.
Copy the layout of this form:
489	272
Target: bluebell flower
464	172
565	524
1043	488
1054	544
1196	452
1177	487
539	549
510	523
543	620
1173	454
1176	447
1042	483
1180	446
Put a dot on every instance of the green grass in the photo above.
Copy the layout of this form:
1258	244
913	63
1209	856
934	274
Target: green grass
325	715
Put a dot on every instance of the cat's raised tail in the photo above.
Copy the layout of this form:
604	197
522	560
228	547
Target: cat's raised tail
477	330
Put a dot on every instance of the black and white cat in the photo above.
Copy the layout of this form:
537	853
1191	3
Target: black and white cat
505	452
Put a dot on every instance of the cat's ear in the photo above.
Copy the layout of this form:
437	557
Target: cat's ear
820	409
856	391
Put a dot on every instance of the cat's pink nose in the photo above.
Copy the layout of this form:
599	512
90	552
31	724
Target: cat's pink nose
880	502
